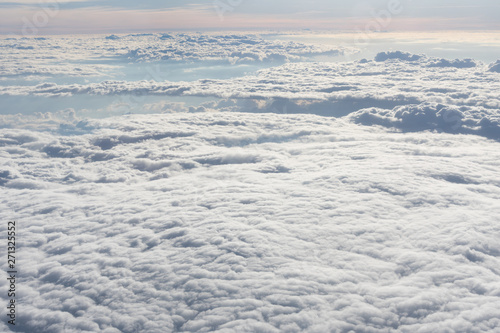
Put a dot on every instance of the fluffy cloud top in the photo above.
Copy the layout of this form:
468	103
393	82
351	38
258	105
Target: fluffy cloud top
384	56
233	222
247	211
434	117
397	88
231	48
430	62
428	79
76	55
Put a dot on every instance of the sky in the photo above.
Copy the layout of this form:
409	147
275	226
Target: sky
73	16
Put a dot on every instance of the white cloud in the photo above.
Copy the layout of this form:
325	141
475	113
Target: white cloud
434	117
465	89
232	48
248	211
173	222
384	56
63	56
76	56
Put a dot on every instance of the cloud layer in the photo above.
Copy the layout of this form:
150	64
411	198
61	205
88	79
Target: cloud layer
397	78
307	197
424	93
434	117
77	55
235	222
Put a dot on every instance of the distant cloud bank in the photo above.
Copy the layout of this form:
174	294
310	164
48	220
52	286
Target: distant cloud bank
394	80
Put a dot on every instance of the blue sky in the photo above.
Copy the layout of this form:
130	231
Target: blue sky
70	16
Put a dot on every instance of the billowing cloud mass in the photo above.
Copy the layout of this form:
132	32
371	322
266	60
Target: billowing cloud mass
70	55
289	196
235	222
396	81
432	116
400	77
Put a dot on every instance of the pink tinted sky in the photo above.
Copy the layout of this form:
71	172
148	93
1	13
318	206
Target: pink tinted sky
57	17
